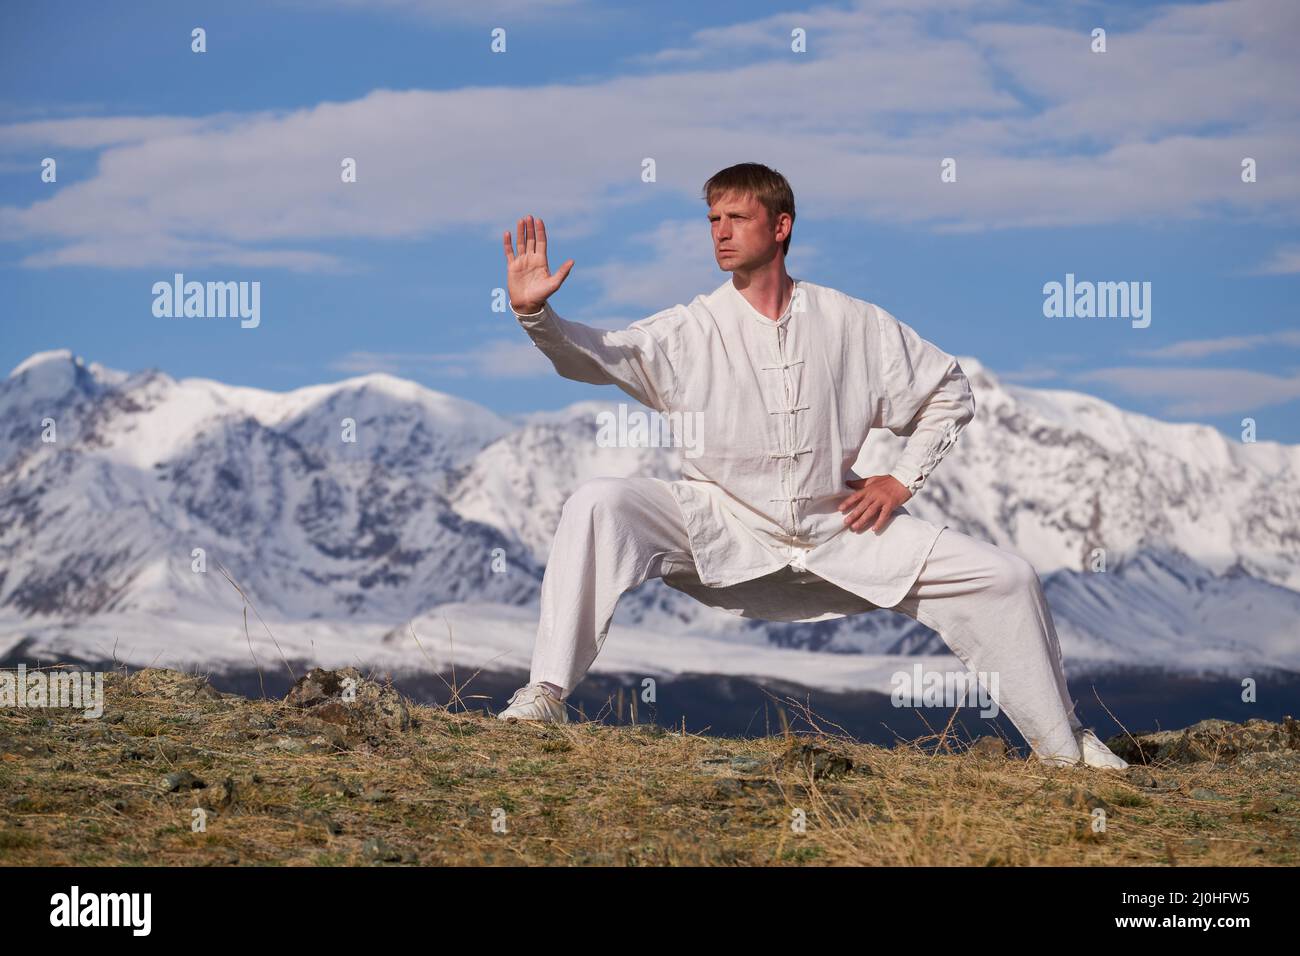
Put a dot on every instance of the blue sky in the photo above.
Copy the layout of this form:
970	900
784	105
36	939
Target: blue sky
224	165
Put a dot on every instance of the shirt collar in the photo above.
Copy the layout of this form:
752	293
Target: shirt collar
757	316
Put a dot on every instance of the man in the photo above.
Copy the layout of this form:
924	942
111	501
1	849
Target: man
785	379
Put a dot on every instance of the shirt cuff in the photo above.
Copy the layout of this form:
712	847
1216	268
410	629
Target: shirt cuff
908	478
531	315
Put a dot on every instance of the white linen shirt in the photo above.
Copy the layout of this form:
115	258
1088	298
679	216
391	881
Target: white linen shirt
784	407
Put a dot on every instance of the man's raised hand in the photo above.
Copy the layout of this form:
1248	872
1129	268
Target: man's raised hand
528	277
876	498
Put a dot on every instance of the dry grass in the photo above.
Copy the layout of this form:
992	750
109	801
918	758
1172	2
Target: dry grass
279	792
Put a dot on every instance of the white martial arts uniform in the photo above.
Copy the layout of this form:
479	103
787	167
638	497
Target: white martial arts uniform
781	410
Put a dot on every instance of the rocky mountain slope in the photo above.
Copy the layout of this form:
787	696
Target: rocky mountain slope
367	504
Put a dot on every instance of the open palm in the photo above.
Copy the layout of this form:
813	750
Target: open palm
529	279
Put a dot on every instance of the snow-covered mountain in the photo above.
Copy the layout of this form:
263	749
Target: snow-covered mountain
144	469
355	512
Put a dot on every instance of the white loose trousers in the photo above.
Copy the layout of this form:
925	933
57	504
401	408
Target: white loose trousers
987	604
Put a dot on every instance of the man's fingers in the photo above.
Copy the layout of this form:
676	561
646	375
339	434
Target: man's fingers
532	238
868	514
850	500
856	499
882	520
862	515
510	250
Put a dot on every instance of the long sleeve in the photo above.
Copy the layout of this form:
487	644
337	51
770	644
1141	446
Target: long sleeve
636	359
926	399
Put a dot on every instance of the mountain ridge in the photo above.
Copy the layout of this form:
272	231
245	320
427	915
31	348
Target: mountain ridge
440	502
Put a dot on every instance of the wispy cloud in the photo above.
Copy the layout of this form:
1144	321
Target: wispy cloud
166	252
1285	262
671	265
13	109
1189	392
1199	348
495	359
1031	373
94	132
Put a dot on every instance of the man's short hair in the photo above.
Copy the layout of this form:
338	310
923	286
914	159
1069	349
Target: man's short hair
769	187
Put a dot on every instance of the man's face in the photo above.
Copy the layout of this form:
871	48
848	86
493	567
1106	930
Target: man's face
744	237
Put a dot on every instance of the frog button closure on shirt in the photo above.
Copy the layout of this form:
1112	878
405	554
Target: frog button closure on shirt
789	429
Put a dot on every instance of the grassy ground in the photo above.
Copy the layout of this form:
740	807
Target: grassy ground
384	782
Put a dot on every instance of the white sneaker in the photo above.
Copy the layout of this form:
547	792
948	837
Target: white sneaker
534	702
1096	753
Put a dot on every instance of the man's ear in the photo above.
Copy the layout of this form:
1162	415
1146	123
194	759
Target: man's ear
789	224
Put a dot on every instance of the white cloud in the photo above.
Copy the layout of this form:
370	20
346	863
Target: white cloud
1199	348
1032	373
1045	134
95	132
1285	262
495	359
1192	392
672	265
165	252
